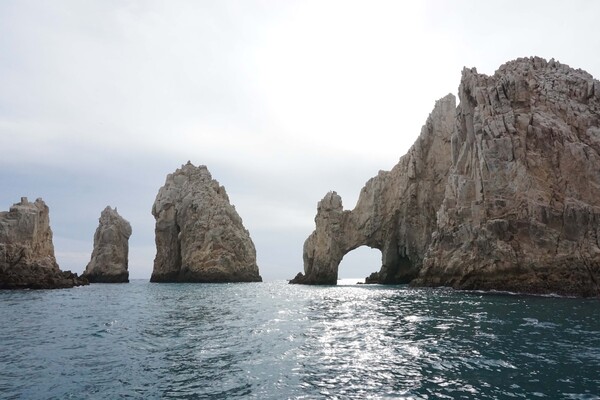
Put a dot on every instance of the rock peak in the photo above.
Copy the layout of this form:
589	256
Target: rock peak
110	256
199	235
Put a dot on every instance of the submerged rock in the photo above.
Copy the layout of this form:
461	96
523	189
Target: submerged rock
110	255
501	192
27	258
199	235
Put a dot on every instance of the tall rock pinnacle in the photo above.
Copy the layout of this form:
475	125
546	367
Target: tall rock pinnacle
111	249
199	235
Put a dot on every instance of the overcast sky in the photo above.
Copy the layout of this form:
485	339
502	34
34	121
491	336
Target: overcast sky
282	100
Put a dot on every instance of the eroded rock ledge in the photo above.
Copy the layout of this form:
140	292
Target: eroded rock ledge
199	235
501	192
27	258
110	255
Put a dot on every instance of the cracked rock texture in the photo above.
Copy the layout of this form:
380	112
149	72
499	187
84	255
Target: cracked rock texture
110	255
518	208
521	210
199	235
26	250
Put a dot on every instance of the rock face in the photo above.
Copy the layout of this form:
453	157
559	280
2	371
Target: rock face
395	212
111	249
199	235
26	251
518	207
522	205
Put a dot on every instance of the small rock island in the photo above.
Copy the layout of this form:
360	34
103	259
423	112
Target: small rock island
199	234
501	192
27	258
110	255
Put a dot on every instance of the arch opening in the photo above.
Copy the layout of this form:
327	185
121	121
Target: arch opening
358	264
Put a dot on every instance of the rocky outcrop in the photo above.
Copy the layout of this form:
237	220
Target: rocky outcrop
518	207
110	255
522	204
395	212
199	235
26	250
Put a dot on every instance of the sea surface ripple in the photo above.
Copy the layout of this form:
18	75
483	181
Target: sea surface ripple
279	341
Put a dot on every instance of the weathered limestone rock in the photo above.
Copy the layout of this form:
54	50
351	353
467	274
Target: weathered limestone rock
26	251
395	212
522	205
199	235
504	192
111	249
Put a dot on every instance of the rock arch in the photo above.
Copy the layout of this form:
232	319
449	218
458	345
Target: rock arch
359	262
395	212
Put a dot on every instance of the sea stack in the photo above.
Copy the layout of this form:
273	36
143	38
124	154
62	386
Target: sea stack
199	235
110	255
27	258
499	193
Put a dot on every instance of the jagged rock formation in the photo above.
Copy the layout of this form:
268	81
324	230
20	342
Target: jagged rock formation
395	212
199	235
110	255
26	251
520	202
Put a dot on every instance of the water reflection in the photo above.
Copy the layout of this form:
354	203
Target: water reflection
437	343
273	341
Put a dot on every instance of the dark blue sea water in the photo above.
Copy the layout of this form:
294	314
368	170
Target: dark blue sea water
279	341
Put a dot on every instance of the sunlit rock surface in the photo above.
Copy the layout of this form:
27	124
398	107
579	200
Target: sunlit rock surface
110	255
26	250
199	235
510	199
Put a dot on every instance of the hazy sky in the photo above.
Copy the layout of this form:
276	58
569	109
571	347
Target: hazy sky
282	100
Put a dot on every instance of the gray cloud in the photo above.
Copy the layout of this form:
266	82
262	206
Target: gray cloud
100	100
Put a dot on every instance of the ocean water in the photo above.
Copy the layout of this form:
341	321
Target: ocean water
278	341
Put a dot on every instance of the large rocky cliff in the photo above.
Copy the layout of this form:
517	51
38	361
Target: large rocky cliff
110	255
199	235
26	250
510	199
522	204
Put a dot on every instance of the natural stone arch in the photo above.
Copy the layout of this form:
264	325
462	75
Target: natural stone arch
338	233
395	212
359	263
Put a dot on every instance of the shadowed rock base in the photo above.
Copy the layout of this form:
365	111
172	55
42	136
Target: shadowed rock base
104	278
38	277
205	277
